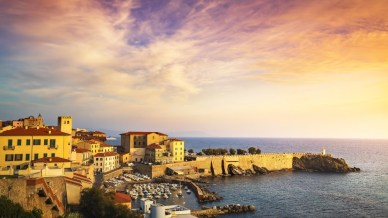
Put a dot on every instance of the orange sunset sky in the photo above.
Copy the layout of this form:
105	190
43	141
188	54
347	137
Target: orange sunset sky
250	68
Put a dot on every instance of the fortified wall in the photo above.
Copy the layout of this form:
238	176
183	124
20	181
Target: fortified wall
218	165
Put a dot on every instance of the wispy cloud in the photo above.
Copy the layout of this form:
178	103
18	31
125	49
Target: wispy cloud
171	58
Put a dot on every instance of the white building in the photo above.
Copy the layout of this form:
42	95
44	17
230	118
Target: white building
104	162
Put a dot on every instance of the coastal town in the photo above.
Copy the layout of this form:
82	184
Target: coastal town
50	167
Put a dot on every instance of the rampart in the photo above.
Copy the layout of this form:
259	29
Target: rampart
218	165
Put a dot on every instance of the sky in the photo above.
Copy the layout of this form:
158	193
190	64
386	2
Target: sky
250	68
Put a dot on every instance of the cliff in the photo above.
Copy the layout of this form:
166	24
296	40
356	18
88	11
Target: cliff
321	163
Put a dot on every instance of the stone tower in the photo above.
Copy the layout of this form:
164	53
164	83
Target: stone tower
65	124
39	120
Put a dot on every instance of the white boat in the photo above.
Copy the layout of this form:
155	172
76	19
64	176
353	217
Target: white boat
188	191
134	196
165	196
110	138
180	194
157	196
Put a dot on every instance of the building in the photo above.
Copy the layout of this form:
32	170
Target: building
104	162
22	145
82	156
105	148
91	145
90	135
156	153
177	149
33	122
123	199
136	143
47	167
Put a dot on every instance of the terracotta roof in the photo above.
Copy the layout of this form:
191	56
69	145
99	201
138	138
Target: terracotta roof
106	154
73	181
50	160
105	145
81	150
98	132
122	198
176	140
33	132
82	178
142	133
154	146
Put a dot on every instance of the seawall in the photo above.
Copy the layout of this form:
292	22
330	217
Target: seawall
218	165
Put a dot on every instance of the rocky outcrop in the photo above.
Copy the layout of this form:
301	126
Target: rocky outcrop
260	170
235	170
322	163
214	211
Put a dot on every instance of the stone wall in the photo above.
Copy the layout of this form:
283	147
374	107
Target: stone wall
112	174
18	191
218	165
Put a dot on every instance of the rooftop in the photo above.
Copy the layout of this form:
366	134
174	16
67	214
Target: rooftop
81	150
142	133
122	198
50	160
154	146
106	154
42	131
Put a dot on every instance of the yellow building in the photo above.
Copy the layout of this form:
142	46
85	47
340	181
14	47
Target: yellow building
95	146
92	145
136	142
19	146
105	148
177	149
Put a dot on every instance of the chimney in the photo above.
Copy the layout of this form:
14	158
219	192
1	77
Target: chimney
26	127
37	127
49	131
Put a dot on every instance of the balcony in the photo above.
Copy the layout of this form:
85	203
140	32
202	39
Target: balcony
52	147
8	147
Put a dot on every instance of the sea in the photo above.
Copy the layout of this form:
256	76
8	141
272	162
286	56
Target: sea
303	194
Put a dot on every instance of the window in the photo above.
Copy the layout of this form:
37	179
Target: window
19	142
28	142
181	148
68	122
9	143
18	156
181	153
176	153
36	156
9	157
45	155
52	154
45	142
52	142
27	156
36	142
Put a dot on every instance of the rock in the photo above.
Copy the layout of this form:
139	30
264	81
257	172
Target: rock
260	170
235	170
251	208
322	163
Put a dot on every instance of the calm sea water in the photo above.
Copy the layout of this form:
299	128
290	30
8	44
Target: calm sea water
302	194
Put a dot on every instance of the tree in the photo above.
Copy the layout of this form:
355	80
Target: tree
232	151
258	151
95	203
252	150
191	151
11	209
241	151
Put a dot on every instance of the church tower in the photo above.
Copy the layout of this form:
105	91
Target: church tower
65	124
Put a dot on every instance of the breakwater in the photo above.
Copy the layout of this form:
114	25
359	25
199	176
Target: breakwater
218	165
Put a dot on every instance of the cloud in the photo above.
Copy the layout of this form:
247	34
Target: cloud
168	59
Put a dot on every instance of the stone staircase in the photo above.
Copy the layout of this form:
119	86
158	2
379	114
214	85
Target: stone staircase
46	195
